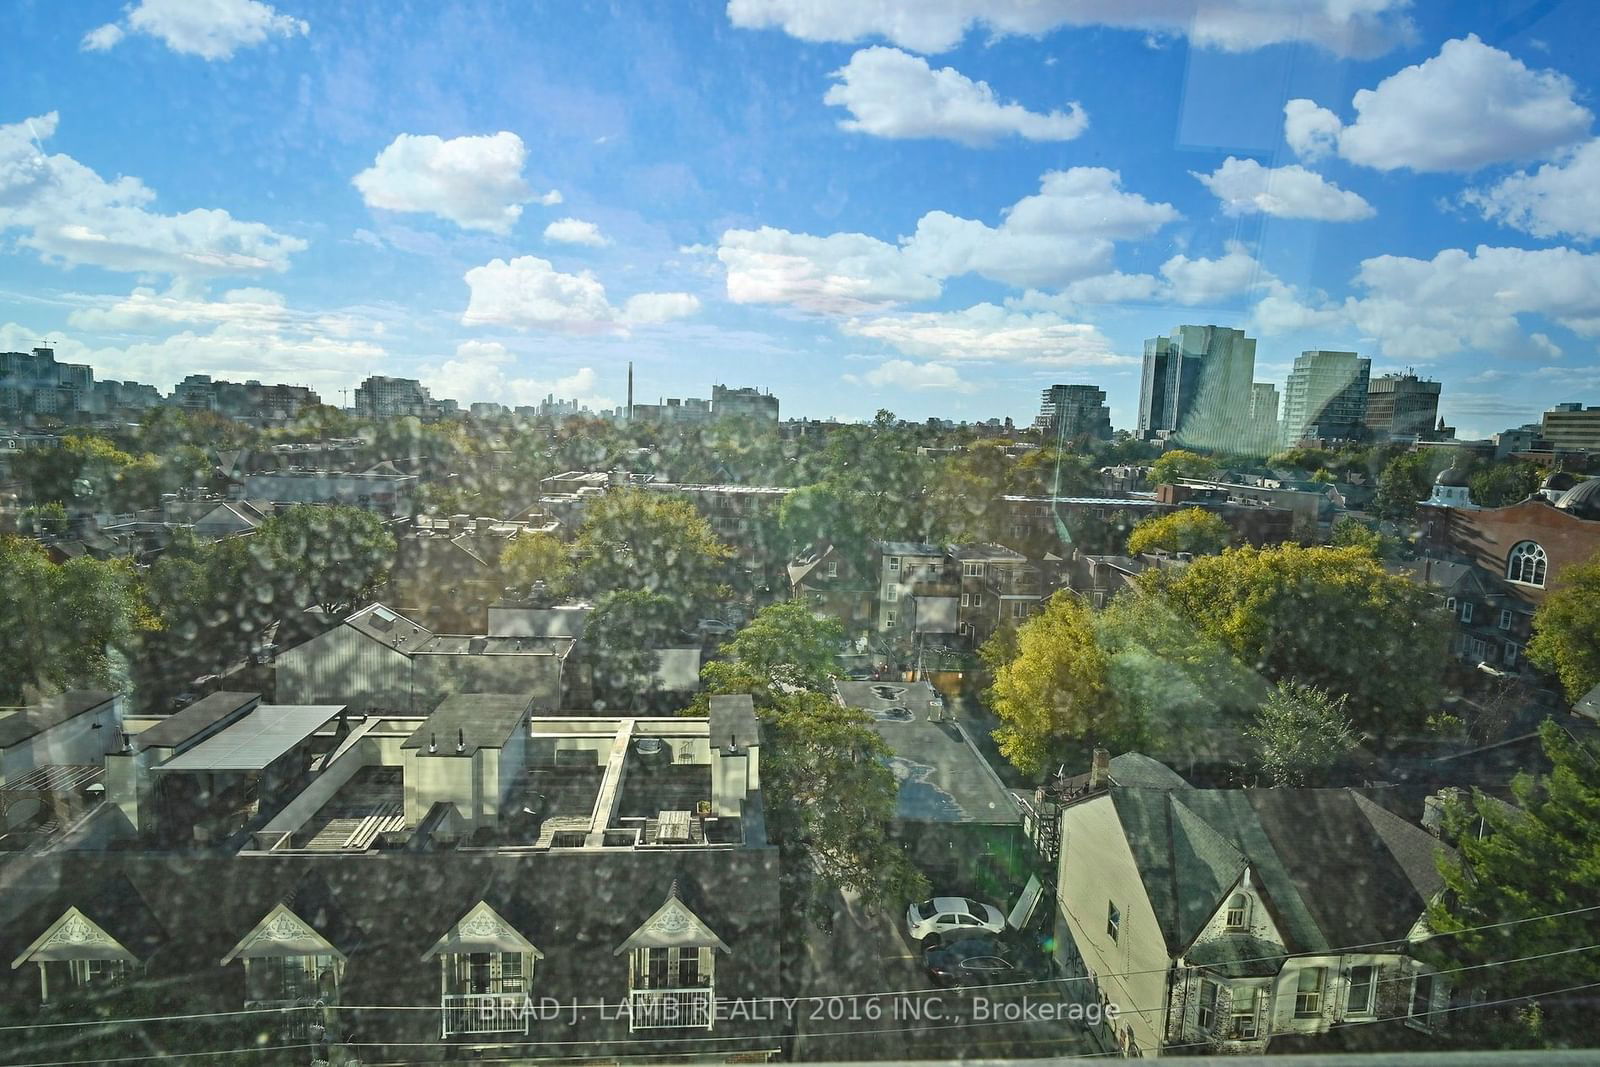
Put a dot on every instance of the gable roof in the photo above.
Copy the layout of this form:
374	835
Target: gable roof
111	923
482	929
673	925
1184	864
198	718
307	921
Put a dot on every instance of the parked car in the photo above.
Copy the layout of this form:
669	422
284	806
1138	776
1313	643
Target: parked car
972	961
945	915
714	628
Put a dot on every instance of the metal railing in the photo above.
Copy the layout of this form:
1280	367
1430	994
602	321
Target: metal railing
653	1009
484	1013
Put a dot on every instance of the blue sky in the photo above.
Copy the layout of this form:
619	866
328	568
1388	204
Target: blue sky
938	213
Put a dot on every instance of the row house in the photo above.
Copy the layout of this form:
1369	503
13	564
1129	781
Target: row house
1490	624
413	957
1220	919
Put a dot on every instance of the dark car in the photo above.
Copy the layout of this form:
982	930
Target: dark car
972	961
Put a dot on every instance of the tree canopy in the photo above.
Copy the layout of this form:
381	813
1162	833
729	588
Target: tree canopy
333	557
1566	630
1179	463
784	647
1193	530
64	625
651	542
537	557
1299	733
1519	862
1050	685
1329	617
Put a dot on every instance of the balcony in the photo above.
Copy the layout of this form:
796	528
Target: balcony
484	1013
659	1009
295	1017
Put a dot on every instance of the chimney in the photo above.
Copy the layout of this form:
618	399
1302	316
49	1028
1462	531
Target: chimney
461	739
433	742
1099	769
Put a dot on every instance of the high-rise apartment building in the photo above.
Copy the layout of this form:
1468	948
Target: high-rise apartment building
33	383
1572	428
748	402
1401	405
383	397
1197	387
246	400
1325	398
1067	412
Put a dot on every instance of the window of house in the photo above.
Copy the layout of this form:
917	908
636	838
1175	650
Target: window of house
977	600
894	594
1358	1001
833	569
1019	610
1308	993
894	564
1511	653
972	570
1466	611
1421	1008
1477	648
1207	1015
1113	919
1238	914
963	600
98	972
888	619
1505	618
1245	1001
1450	605
1526	564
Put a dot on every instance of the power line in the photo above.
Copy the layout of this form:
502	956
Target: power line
869	994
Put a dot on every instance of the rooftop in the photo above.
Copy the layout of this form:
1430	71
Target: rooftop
201	717
256	741
34	719
466	722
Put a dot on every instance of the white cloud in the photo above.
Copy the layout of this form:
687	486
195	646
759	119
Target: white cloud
1364	28
575	232
1560	198
1245	187
646	308
1208	281
1458	300
210	29
103	38
895	95
1312	132
248	334
989	332
475	182
552	198
70	214
842	273
486	371
529	292
1062	234
1467	107
904	374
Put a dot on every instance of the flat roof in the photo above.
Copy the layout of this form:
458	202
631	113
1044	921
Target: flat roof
35	719
196	719
942	777
256	741
474	720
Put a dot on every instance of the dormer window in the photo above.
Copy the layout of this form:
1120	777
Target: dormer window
672	969
486	970
1526	564
1237	916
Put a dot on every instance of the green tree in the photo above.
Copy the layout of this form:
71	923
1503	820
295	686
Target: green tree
1518	862
636	540
1193	530
819	515
831	797
1329	617
537	557
1566	630
1179	463
1404	483
784	647
1350	532
1498	484
1299	733
1053	689
64	626
333	557
622	639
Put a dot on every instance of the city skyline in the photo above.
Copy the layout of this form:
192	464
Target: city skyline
856	215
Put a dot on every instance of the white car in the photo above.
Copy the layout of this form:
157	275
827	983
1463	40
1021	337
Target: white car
714	627
953	915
